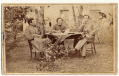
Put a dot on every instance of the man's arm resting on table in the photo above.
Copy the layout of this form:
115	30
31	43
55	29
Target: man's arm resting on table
64	29
80	28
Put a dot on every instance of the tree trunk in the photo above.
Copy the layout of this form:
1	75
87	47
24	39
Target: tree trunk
80	10
74	14
40	20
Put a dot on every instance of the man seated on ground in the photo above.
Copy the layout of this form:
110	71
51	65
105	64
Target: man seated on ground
89	33
34	36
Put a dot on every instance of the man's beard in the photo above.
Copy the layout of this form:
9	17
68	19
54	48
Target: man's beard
34	25
59	23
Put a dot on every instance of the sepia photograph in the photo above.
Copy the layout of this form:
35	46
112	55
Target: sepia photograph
59	38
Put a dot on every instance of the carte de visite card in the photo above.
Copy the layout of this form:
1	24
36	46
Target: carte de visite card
74	38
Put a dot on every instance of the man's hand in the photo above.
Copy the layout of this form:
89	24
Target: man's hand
36	35
55	31
59	31
88	36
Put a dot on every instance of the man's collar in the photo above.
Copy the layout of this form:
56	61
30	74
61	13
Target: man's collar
32	26
59	25
87	21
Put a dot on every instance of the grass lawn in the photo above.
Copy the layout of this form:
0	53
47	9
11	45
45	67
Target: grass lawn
18	60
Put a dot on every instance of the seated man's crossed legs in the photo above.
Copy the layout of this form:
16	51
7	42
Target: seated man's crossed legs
81	45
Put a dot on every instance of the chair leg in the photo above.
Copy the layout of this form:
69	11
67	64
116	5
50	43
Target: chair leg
66	50
59	48
94	48
31	54
63	47
35	54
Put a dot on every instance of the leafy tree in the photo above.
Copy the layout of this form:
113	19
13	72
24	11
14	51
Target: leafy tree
14	16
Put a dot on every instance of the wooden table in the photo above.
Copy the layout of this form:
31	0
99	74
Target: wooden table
62	36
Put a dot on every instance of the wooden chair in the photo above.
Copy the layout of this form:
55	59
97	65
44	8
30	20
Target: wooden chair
92	43
45	45
93	49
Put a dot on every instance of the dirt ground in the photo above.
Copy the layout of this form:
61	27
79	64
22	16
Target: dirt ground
18	61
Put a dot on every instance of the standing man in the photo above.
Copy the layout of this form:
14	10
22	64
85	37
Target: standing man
89	33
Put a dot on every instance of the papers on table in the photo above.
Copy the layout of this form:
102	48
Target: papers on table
59	34
64	33
67	31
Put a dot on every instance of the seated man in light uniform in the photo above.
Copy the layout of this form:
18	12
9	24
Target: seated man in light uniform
89	33
34	36
59	27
